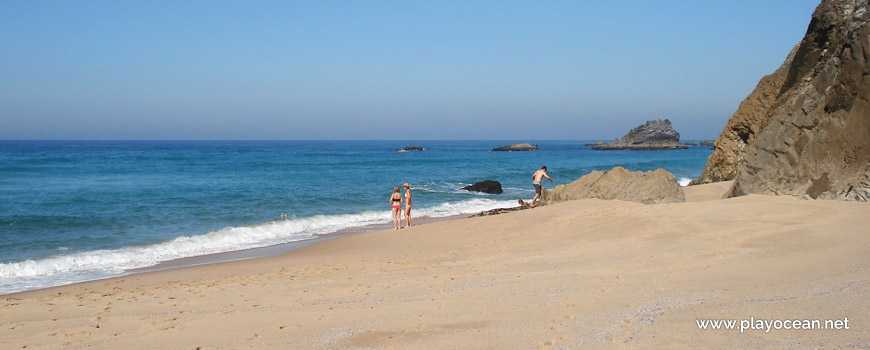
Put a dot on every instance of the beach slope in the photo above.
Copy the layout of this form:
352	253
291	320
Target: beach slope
591	273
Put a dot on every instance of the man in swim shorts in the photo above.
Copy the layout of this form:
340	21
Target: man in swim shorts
537	176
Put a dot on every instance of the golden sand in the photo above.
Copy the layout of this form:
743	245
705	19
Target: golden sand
588	273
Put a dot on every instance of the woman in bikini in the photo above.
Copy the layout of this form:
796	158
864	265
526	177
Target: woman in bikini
396	204
407	204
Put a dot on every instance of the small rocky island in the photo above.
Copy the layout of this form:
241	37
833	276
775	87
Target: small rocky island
652	135
410	149
517	147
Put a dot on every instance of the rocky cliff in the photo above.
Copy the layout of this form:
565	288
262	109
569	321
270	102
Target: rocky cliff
659	186
652	135
729	149
809	131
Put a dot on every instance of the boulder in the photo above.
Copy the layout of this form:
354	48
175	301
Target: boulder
487	186
810	137
517	147
410	149
652	135
658	186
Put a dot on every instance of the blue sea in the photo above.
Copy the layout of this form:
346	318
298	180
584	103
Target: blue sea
73	211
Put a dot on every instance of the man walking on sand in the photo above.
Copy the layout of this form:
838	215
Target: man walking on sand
537	176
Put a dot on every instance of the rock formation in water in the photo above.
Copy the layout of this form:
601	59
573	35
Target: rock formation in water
410	149
652	135
659	186
517	147
808	133
486	186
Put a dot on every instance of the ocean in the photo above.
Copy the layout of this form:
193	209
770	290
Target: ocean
73	211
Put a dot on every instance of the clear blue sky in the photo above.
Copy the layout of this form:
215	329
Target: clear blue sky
407	70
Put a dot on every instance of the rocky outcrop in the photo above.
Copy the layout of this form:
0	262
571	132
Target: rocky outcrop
729	149
652	135
487	186
690	144
709	143
811	134
659	186
517	147
410	149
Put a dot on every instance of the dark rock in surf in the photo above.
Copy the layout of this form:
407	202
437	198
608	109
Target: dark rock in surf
488	186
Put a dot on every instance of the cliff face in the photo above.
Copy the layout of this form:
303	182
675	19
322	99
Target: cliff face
729	149
812	136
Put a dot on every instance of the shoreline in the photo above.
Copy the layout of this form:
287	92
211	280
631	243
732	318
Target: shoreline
273	250
588	273
245	254
286	248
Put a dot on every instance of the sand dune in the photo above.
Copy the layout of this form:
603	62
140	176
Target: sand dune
590	273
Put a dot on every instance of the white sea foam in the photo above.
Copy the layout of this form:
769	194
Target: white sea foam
684	181
64	269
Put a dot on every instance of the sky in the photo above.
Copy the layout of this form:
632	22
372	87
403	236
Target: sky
383	70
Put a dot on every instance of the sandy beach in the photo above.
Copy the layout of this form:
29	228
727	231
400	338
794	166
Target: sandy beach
588	273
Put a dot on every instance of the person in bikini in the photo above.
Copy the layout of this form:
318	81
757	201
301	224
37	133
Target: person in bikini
537	176
407	204
396	204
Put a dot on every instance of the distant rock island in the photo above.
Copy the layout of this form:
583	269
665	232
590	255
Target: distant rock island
517	147
410	149
652	135
805	129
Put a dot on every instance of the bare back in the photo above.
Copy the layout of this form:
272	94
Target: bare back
538	175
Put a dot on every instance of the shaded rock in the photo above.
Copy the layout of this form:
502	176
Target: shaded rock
690	144
497	211
487	186
811	134
707	143
652	135
595	143
410	149
658	186
517	147
522	205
